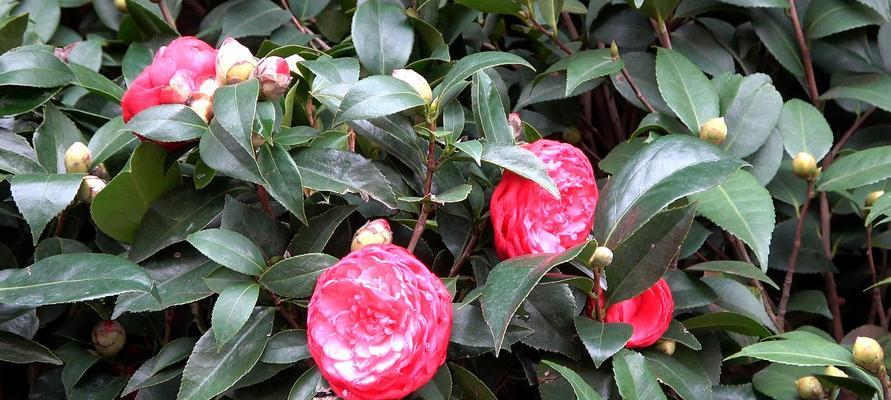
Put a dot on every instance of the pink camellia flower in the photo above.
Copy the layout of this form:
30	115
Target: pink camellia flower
529	220
648	313
178	74
378	324
274	75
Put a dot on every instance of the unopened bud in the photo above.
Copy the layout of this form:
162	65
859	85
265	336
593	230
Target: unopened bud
235	63
275	76
292	61
868	354
78	158
831	370
809	388
373	232
713	131
805	166
572	135
90	186
665	346
202	106
109	338
872	197
121	5
257	140
614	50
62	53
601	258
180	86
416	81
516	126
100	172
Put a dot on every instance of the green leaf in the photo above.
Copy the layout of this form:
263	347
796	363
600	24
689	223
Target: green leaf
172	353
581	388
633	270
775	30
880	208
96	83
12	31
752	115
679	333
343	172
305	386
812	301
872	89
587	65
177	279
804	350
232	310
703	49
20	350
77	362
682	377
282	178
377	96
168	123
469	385
827	17
634	378
382	35
548	313
68	278
758	3
118	209
600	339
305	9
253	18
226	147
176	215
53	138
743	207
296	276
686	89
454	81
856	170
285	347
729	321
438	388
488	110
17	156
33	67
40	197
675	166
736	297
230	249
110	139
510	282
804	129
493	6
737	268
211	369
315	236
521	162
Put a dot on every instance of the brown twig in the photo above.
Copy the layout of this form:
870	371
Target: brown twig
595	292
661	31
165	12
830	157
468	250
805	57
567	22
553	35
168	322
427	206
876	292
637	92
793	257
263	195
60	223
768	304
838	331
279	306
316	41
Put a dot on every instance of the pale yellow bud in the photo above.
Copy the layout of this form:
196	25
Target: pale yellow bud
373	232
109	338
89	188
831	370
872	197
868	354
121	5
257	140
602	257
809	388
235	62
805	166
713	131
78	159
416	81
665	346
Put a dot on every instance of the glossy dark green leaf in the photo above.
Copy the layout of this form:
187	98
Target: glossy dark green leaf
77	361
178	280
168	123
232	310
698	44
470	386
737	268
54	136
872	89
40	197
33	67
377	96
286	347
110	139
682	377
856	170
20	350
382	35
827	17
802	350
305	386
727	321
224	153
96	83
488	110
172	353
739	298
804	129
581	388
72	277
775	30
510	282
464	68
282	178
686	89
343	172
521	162
296	276
17	156
118	209
212	369
12	31
589	64
253	18
641	66
600	339
633	378
304	9
229	249
492	6
752	116
678	332
314	237
812	301
549	311
634	271
673	167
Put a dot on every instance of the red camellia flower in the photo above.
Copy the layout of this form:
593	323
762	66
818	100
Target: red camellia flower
649	313
378	324
175	76
529	220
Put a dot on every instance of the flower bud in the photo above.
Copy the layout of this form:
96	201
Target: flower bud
100	172
292	61
868	354
665	346
62	53
257	140
809	388
235	63
602	257
121	5
831	370
516	125
416	81
805	166
872	197
614	50
275	76
572	135
373	232
109	338
202	106
78	158
89	188
713	131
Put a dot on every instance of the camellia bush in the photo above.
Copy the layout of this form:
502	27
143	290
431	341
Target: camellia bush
444	199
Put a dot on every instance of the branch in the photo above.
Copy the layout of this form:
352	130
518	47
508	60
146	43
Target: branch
793	257
426	207
876	292
830	157
805	57
662	31
165	12
534	24
637	92
468	250
316	41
